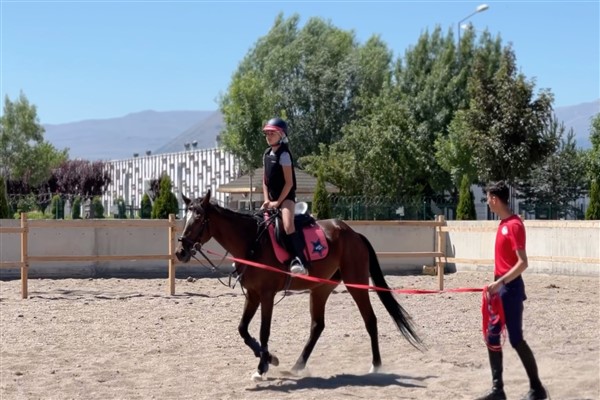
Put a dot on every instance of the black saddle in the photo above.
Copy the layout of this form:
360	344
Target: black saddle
300	221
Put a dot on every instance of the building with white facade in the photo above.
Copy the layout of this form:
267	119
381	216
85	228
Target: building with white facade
192	173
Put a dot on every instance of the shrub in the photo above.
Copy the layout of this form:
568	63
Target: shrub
97	207
466	202
32	215
146	207
28	204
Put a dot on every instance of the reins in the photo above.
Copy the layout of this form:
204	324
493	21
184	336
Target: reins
196	247
262	225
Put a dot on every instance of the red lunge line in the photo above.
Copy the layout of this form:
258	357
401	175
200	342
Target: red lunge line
354	285
492	313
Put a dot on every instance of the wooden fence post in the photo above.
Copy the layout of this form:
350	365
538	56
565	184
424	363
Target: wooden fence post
171	254
24	261
441	248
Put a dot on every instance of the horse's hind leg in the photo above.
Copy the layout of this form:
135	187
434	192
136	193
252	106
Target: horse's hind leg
318	299
361	297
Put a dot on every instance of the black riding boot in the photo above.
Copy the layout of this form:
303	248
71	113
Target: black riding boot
537	391
497	392
299	263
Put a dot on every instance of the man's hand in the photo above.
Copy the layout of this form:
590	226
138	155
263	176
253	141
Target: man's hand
495	286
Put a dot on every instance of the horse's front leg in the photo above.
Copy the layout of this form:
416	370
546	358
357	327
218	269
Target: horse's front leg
266	358
250	308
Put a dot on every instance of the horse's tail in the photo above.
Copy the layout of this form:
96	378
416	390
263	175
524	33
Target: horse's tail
399	314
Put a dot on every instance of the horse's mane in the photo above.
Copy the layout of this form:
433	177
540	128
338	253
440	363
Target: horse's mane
229	213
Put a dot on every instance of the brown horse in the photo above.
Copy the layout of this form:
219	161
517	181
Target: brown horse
351	259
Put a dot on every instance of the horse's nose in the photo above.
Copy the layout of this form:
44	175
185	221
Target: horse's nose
181	254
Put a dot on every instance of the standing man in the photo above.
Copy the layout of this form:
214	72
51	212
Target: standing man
510	260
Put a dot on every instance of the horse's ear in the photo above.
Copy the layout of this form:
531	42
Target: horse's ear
186	200
206	199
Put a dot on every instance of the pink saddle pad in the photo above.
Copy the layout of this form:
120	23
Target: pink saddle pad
315	247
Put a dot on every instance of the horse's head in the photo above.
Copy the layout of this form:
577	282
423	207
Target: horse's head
196	231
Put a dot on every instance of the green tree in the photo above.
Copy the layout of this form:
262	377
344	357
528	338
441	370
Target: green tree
121	208
466	201
57	208
146	207
387	149
76	208
312	77
504	125
321	205
592	156
431	90
166	203
592	162
4	206
97	208
25	155
593	210
556	182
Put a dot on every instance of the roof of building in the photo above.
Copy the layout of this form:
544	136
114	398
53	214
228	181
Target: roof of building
305	183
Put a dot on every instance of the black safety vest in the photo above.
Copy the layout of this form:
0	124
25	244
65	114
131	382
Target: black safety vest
273	175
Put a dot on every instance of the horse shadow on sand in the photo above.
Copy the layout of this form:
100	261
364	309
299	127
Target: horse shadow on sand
90	294
287	384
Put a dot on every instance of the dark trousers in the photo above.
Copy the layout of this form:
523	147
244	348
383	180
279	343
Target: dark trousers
512	296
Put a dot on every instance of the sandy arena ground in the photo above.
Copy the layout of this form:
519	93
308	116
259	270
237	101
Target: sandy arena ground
127	339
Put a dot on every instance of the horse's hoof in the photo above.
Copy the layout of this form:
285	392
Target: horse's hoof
273	360
300	372
374	369
257	376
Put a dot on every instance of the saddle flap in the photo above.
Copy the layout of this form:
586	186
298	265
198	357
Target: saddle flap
314	238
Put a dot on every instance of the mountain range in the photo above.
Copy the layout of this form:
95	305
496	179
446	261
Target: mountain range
171	131
118	138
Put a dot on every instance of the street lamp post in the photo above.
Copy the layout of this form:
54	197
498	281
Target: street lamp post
480	8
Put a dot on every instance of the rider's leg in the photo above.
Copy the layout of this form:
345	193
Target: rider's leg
287	215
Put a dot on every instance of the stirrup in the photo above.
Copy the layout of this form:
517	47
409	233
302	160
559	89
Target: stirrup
296	267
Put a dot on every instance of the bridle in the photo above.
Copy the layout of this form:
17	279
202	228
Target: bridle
196	247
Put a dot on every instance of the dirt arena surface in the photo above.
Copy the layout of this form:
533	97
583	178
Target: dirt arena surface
127	339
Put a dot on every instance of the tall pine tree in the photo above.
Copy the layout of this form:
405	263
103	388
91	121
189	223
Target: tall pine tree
4	206
166	203
593	210
466	202
321	207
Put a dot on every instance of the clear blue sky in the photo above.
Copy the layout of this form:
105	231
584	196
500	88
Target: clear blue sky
79	60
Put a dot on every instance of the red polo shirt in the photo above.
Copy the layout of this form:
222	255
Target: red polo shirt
509	238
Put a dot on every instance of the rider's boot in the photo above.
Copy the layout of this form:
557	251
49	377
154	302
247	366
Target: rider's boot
497	391
298	263
537	391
